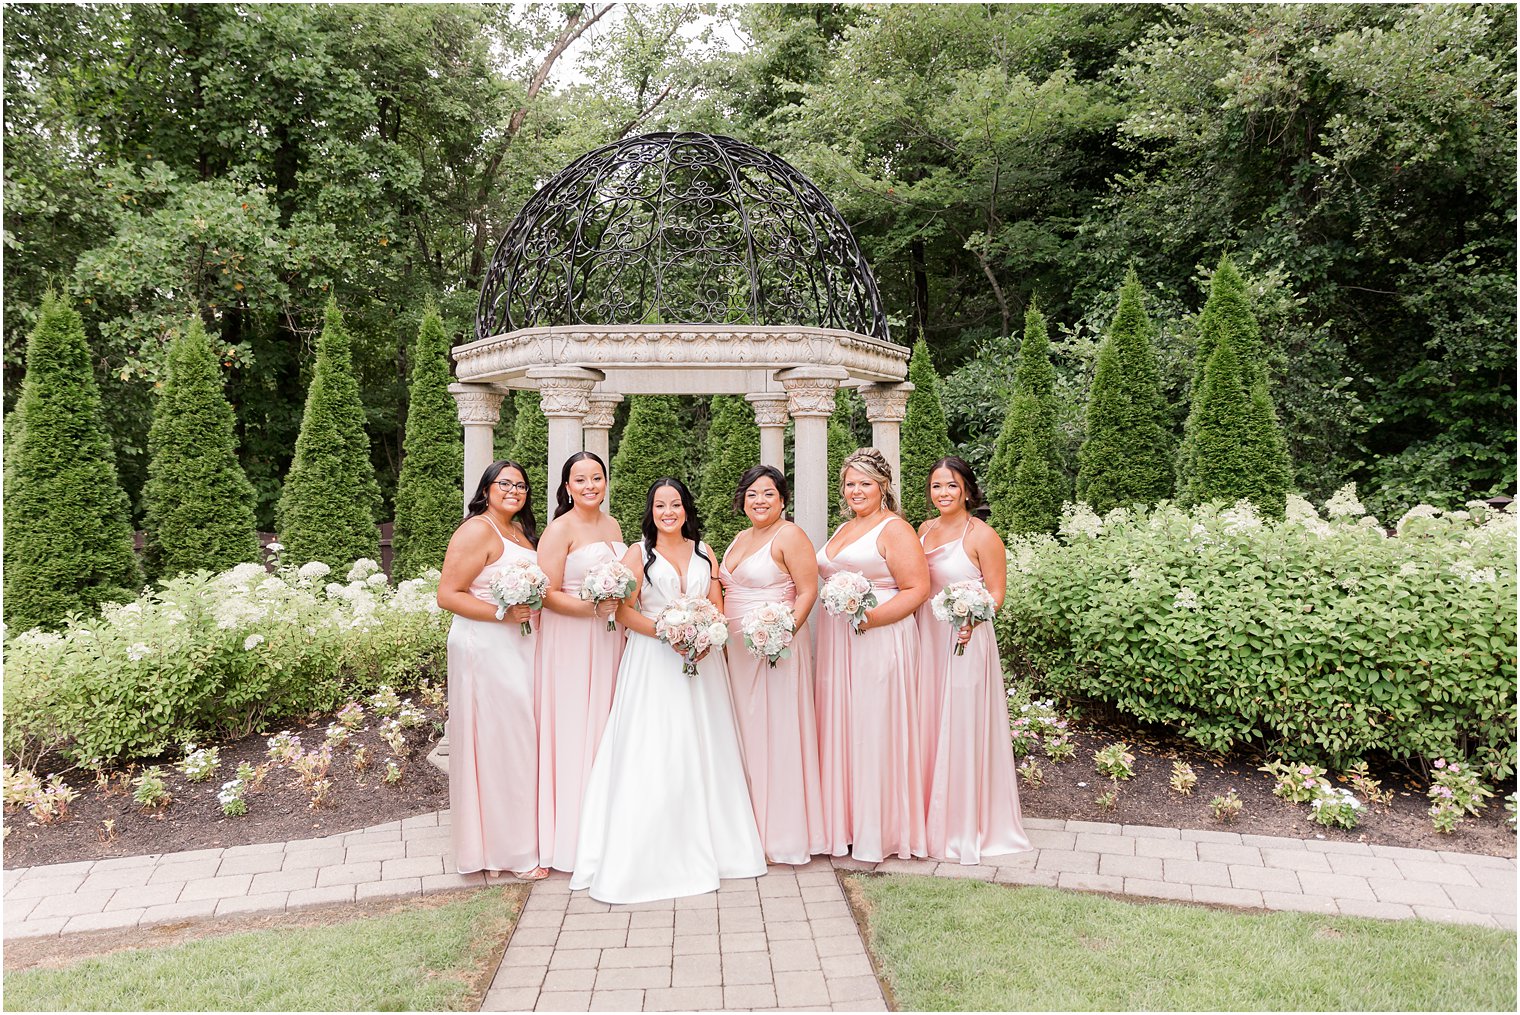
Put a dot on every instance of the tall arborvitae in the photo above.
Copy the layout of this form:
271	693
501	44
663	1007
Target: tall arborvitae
925	436
1127	458
841	443
68	534
327	508
1026	484
733	445
428	500
530	445
1238	448
198	501
652	446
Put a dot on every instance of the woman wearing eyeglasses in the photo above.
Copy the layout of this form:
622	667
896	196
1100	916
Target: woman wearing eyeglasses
493	737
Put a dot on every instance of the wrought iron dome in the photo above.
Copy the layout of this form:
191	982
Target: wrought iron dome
673	228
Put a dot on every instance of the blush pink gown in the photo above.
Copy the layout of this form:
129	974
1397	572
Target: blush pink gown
493	752
774	708
973	794
574	678
866	689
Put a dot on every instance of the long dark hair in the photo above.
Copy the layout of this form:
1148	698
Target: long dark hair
691	528
755	474
524	516
562	494
962	469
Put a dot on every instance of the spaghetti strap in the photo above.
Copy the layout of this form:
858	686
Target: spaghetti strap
494	529
965	530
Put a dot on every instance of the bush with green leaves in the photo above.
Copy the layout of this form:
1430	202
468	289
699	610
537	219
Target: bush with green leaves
841	442
733	445
327	507
428	499
199	502
653	445
68	534
925	436
530	448
1026	484
213	655
1317	640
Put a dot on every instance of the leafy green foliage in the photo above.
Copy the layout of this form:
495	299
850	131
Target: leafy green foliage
68	543
925	436
327	509
733	445
1314	640
1127	458
1026	485
652	446
530	441
198	501
428	494
841	442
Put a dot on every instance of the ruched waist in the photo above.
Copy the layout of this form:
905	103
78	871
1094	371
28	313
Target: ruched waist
737	600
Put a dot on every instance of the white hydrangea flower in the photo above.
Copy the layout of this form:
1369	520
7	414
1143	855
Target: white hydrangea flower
1408	569
1414	513
362	569
1482	576
252	642
376	580
432	574
1080	520
1185	599
314	569
1371	524
137	650
1345	504
1242	517
275	547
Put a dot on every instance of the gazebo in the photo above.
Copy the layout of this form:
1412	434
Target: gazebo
681	264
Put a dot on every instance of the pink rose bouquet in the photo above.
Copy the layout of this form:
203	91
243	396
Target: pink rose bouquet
608	580
520	583
849	594
691	625
963	603
768	631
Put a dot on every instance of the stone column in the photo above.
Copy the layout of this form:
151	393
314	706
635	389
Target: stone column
479	411
886	406
598	430
564	393
770	416
810	401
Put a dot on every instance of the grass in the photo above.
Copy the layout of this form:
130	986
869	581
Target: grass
946	945
422	958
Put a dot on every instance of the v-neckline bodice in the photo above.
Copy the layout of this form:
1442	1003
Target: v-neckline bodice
831	557
765	549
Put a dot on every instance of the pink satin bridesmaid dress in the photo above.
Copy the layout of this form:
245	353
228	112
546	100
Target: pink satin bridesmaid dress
574	678
493	750
774	709
973	808
866	690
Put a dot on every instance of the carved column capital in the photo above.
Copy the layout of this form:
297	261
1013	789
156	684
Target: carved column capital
477	404
769	406
603	405
886	403
810	390
564	391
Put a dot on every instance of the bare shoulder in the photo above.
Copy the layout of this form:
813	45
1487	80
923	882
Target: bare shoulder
633	559
793	537
984	537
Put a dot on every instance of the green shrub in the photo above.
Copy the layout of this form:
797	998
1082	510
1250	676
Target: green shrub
1310	639
530	447
327	508
199	503
925	436
1025	483
210	655
428	498
652	445
733	445
841	442
68	534
1127	458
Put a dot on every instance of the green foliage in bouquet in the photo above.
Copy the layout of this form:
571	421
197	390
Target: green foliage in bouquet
1026	485
733	445
652	446
925	435
428	498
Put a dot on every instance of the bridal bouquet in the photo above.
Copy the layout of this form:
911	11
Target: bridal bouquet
962	603
607	580
768	631
691	625
849	594
520	583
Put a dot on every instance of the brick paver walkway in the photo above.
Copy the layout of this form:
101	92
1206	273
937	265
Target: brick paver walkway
785	940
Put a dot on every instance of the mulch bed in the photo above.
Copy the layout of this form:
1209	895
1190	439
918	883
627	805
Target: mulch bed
281	811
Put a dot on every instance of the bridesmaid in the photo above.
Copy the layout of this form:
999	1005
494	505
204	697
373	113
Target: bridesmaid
867	683
772	562
493	752
578	661
973	796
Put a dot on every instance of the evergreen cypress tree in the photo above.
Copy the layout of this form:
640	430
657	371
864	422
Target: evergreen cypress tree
1026	484
1238	446
505	437
68	531
198	500
652	446
925	435
530	444
327	508
427	491
1127	458
733	445
841	443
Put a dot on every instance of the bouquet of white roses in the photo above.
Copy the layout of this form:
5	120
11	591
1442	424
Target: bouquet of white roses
607	580
768	631
691	625
849	594
962	603
520	583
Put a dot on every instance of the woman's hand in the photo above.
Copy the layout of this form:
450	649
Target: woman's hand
604	608
519	614
964	635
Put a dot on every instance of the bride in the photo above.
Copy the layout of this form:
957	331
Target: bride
666	811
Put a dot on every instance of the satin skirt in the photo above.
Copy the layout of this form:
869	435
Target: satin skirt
493	751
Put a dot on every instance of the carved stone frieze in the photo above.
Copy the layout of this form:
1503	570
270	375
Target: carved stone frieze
810	396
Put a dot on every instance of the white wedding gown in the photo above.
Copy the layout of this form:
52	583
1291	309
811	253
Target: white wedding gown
667	811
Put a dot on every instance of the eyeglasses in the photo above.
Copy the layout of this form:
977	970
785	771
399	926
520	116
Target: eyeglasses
507	486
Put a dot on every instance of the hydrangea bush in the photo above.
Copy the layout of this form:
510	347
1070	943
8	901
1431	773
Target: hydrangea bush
215	654
1317	638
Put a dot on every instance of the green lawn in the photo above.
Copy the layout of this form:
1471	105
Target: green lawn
946	945
415	959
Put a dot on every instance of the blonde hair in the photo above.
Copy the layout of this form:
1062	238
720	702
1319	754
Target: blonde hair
873	465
